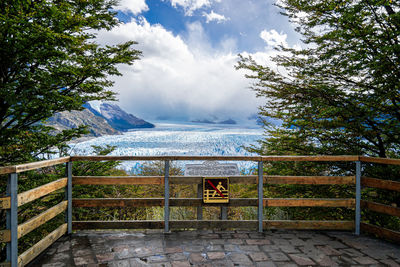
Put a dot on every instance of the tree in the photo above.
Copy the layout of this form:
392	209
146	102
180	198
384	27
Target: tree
50	62
340	94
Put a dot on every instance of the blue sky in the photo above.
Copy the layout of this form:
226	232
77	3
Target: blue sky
189	49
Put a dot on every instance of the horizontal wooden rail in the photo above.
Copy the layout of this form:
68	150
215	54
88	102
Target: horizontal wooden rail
4	203
198	202
194	224
33	165
380	183
380	160
317	180
41	191
117	180
224	158
378	207
154	202
40	246
381	232
309	225
35	222
240	179
309	202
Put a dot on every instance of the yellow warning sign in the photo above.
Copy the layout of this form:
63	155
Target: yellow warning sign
216	190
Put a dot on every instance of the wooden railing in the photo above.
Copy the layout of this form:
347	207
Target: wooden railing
13	200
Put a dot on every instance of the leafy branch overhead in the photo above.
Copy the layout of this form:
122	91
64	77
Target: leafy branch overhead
52	63
340	94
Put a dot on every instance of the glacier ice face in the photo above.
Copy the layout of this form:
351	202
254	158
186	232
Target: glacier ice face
177	139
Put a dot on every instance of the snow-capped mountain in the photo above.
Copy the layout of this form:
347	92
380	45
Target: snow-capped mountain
116	117
103	119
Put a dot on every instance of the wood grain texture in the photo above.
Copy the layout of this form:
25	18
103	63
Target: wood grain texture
40	246
309	225
40	219
308	202
381	232
41	191
380	183
40	164
380	160
378	207
151	202
317	180
151	158
209	224
5	236
82	225
117	180
317	158
5	203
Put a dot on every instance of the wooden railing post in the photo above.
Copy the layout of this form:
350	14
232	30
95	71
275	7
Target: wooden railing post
358	198
260	196
166	196
200	195
68	196
12	219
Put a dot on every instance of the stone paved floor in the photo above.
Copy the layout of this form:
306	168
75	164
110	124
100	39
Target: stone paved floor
219	248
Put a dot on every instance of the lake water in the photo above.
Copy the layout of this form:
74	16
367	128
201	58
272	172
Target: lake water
174	138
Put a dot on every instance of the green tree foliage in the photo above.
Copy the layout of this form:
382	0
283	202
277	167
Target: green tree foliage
50	62
340	94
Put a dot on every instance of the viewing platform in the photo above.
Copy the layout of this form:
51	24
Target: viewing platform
201	242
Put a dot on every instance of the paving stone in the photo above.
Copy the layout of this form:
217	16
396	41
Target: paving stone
269	248
301	259
278	256
217	241
241	236
258	241
197	257
81	252
239	257
265	264
176	256
230	248
249	248
173	249
83	260
157	258
216	255
365	260
64	246
336	244
351	252
297	242
214	248
235	241
324	260
288	249
105	257
327	250
122	263
54	264
258	256
194	248
61	257
390	263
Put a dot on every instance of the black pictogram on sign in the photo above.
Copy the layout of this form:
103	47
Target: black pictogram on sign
215	190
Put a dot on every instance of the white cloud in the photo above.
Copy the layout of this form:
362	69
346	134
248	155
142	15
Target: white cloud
214	17
273	38
192	5
134	6
176	78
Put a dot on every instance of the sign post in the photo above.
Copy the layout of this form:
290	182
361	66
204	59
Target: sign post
210	169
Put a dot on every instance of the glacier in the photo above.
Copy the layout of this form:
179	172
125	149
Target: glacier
176	138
